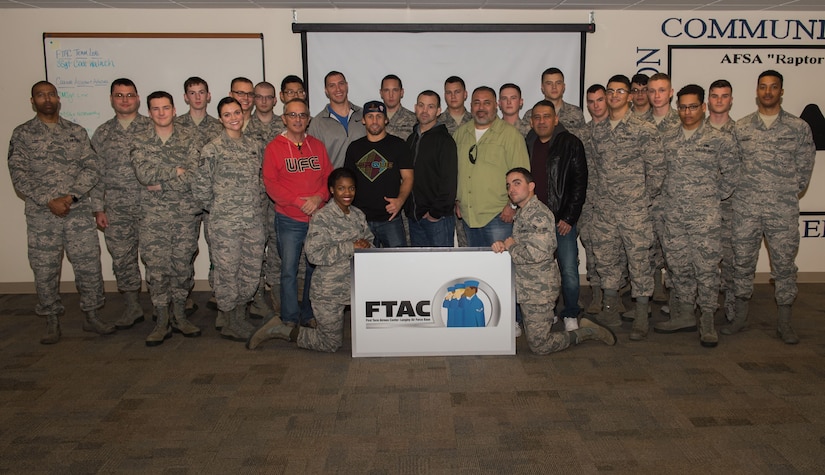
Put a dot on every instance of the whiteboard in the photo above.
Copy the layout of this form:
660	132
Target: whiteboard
82	67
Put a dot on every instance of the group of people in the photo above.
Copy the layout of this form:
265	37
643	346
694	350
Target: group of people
650	190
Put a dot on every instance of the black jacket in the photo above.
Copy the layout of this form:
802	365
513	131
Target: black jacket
566	174
436	173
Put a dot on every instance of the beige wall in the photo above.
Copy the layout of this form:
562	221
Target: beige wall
612	49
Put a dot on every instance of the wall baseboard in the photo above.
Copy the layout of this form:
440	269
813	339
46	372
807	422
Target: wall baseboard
203	285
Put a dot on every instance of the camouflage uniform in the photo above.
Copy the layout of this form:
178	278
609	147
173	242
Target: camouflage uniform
210	127
700	173
726	210
47	162
329	245
446	119
271	268
228	184
402	122
777	162
586	218
628	170
169	224
537	275
118	195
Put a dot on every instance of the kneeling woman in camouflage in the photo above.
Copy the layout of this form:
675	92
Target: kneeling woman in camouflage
228	185
335	232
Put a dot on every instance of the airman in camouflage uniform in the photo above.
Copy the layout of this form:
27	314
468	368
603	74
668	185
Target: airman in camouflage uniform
116	197
331	240
228	185
701	165
209	126
455	95
52	165
778	154
401	120
553	87
531	248
164	160
628	170
510	103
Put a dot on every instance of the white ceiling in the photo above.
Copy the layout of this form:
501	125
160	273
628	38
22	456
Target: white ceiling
751	5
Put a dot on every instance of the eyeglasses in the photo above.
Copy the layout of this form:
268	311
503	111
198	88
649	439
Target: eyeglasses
120	95
473	157
691	107
243	93
296	115
621	92
299	92
264	98
637	90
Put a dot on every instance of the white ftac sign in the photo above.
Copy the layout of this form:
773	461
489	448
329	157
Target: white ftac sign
432	302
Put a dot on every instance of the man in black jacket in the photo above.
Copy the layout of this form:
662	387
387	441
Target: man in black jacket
431	206
557	162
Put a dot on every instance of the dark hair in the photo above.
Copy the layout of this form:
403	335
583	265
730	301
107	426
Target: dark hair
159	95
721	83
455	79
620	78
511	86
551	71
485	89
291	79
595	88
692	89
240	79
545	102
339	173
122	82
333	73
194	81
392	76
432	94
225	101
527	175
40	83
640	79
772	73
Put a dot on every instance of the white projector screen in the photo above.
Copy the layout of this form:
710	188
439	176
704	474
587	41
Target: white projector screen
424	60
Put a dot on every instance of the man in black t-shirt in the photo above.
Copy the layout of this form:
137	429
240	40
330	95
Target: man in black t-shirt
385	176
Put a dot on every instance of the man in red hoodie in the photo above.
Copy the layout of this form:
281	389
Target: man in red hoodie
295	172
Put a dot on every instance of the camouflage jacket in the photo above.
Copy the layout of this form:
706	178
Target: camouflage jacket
534	233
113	144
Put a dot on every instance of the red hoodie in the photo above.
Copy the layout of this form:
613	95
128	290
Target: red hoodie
291	173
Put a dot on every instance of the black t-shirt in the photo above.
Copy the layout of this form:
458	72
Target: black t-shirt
377	166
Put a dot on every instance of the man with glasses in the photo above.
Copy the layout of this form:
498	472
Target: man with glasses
295	173
401	119
53	167
701	165
292	87
628	170
116	197
778	155
196	95
638	94
341	122
487	148
241	89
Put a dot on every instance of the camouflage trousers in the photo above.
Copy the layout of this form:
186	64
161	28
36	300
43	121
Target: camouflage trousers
694	250
328	335
780	227
237	254
727	247
168	248
657	252
48	237
538	320
619	238
584	226
271	270
122	244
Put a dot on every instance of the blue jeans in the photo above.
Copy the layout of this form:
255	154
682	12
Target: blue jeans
426	233
291	235
388	233
485	236
567	255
